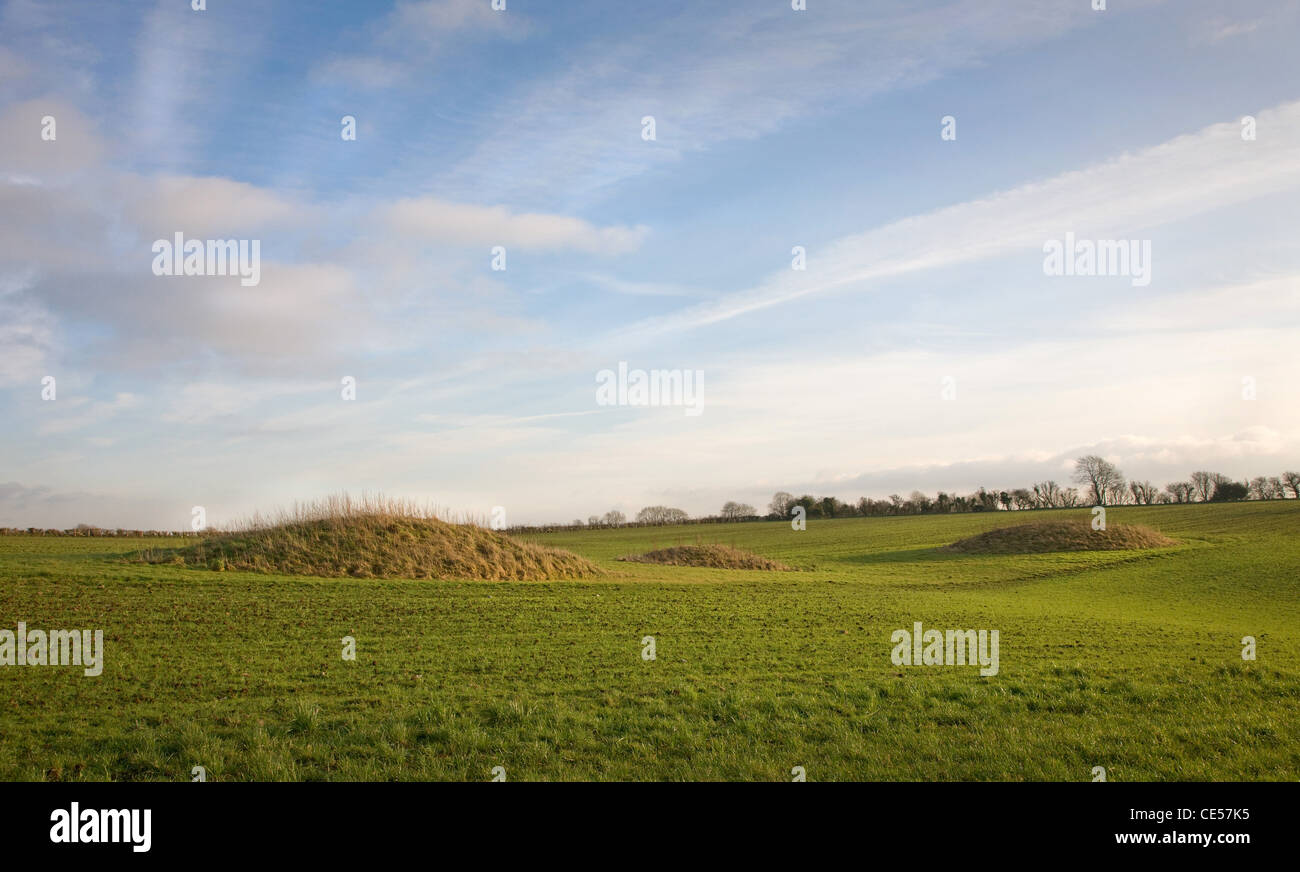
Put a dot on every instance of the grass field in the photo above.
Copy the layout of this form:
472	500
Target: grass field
1130	660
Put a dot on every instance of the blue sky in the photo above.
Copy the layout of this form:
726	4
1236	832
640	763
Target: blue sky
522	128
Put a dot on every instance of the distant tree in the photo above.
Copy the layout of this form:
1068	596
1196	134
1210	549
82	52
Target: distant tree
615	518
593	521
988	500
1101	477
1144	492
1267	488
1292	481
942	502
780	505
1180	491
577	522
660	515
870	508
1069	498
733	511
811	505
1022	498
1047	494
1225	491
1203	485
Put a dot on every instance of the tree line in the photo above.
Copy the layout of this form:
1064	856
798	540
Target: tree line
1099	483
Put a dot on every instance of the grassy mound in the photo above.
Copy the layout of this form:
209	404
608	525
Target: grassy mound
376	544
1051	536
710	556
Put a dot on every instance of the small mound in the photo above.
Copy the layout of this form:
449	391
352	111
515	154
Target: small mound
379	546
710	556
1060	536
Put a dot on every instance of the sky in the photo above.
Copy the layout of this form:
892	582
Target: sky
921	156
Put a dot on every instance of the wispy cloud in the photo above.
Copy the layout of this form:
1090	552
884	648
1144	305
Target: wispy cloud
413	36
1113	200
739	76
1220	29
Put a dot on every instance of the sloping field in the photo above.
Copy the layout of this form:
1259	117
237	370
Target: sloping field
1130	660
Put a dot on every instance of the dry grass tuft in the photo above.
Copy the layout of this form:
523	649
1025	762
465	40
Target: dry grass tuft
710	556
1051	536
373	538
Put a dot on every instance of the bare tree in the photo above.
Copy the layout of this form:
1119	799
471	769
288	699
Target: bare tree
1292	480
1069	498
1218	479
660	515
1117	493
780	505
1101	476
1203	485
1180	491
733	511
1267	488
615	518
1047	494
1144	492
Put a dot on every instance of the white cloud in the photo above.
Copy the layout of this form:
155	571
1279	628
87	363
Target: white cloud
203	207
76	145
437	221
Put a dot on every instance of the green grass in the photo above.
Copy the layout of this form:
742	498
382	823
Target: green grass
1125	659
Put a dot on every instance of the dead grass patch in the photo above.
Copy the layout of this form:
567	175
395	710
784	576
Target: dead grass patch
374	538
709	556
1051	536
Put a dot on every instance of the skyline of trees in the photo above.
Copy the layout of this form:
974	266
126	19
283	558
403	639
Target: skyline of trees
1102	482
